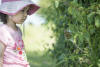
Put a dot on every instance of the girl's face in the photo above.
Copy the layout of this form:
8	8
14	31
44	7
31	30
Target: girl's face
20	17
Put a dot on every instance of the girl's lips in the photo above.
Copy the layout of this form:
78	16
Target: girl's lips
23	19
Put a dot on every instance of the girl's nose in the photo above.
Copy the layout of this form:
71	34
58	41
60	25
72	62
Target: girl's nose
25	15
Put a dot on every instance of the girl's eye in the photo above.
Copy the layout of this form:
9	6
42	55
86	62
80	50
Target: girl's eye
27	10
22	10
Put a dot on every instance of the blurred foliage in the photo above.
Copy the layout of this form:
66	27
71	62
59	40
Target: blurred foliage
37	41
76	26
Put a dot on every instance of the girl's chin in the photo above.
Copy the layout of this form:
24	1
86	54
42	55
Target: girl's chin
20	22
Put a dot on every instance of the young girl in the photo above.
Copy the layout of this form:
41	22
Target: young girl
13	12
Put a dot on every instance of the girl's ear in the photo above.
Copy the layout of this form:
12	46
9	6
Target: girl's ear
10	16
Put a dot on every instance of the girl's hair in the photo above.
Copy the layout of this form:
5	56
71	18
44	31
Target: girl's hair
3	18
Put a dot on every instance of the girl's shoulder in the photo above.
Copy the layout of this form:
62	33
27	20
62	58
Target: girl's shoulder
3	34
7	31
2	28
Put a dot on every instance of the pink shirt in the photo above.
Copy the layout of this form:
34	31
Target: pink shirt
14	54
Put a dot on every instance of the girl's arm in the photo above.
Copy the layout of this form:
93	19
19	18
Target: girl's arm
2	48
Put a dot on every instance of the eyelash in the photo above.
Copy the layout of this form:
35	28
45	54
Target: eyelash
24	10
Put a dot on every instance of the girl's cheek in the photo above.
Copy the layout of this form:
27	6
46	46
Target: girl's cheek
18	19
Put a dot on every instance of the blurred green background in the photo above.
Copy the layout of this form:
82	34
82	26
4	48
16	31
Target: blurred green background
38	40
72	34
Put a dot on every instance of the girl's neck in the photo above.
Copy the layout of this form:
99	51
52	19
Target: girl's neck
12	25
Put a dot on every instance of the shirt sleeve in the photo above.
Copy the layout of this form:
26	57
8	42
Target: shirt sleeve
3	37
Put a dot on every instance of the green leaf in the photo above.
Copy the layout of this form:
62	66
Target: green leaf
75	38
98	12
75	1
91	29
97	21
56	4
90	17
70	10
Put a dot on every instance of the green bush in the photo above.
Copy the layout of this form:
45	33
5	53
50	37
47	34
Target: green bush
77	32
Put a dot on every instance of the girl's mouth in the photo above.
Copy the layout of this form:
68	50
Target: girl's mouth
23	19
